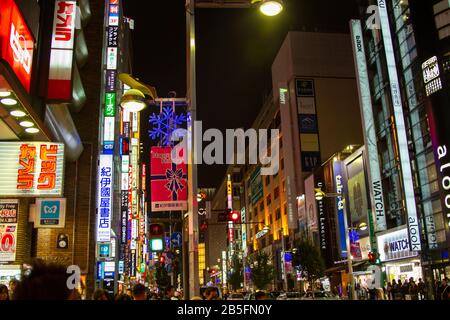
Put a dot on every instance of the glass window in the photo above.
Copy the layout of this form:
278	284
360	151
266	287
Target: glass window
261	206
278	214
276	193
267	180
268	200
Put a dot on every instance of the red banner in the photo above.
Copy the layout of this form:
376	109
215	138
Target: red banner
168	181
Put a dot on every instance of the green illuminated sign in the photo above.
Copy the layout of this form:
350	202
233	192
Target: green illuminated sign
110	104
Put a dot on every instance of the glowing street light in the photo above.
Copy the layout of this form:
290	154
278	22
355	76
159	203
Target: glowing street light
271	7
133	101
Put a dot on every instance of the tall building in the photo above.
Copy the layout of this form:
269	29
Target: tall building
401	53
50	62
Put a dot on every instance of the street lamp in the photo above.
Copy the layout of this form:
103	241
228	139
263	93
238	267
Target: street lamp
270	7
319	195
133	101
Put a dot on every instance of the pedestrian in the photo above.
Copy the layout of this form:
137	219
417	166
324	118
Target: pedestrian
339	290
123	297
421	289
139	292
100	295
169	293
4	294
404	289
211	294
389	290
438	290
45	281
260	295
12	287
413	289
445	290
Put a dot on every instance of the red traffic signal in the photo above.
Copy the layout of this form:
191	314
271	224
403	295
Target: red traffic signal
204	226
156	229
372	257
234	216
162	259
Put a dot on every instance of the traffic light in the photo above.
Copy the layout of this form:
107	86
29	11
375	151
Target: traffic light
162	259
156	237
373	257
234	216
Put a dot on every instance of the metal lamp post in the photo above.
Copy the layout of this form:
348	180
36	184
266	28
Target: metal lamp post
192	282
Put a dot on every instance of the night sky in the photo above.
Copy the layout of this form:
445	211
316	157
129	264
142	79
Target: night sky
235	51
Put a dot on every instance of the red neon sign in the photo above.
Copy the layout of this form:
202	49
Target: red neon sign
16	42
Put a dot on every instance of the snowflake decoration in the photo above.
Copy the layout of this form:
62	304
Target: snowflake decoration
164	124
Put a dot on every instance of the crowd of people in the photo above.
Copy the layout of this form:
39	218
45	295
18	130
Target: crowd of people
48	281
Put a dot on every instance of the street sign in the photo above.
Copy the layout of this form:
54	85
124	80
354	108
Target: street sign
175	239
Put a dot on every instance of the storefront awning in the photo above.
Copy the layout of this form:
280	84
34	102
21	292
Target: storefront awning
16	109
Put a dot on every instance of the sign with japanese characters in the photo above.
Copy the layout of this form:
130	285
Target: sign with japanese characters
8	241
168	181
9	210
105	193
31	168
51	213
16	41
61	55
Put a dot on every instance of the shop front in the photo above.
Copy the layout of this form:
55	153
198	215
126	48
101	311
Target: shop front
398	261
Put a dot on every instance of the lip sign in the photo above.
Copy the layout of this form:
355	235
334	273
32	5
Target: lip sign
20	53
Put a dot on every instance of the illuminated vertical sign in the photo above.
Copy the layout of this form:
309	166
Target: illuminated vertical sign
229	192
113	13
339	184
105	192
16	42
244	231
59	85
286	123
370	139
408	184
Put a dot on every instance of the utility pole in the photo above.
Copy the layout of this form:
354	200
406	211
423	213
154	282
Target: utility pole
192	282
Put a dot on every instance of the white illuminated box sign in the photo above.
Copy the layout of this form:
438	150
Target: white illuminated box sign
104	198
61	56
431	76
111	62
31	169
108	134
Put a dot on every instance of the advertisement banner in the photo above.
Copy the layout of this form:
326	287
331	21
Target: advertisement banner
357	194
407	179
8	241
339	184
9	210
395	245
31	168
50	213
311	207
370	139
16	42
168	181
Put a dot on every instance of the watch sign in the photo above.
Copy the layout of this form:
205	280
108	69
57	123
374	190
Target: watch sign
395	245
16	42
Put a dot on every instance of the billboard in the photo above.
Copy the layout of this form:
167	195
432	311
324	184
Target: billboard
402	139
307	124
168	181
370	139
357	193
9	211
31	169
16	42
311	206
